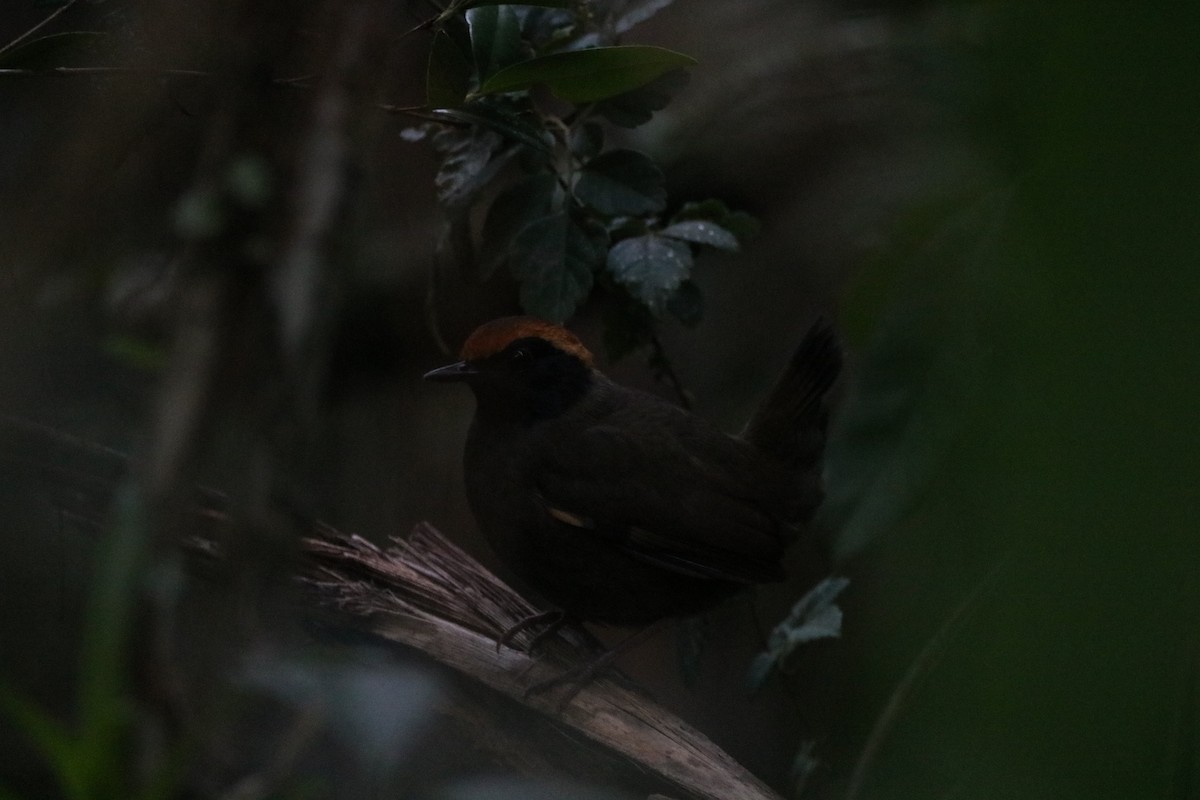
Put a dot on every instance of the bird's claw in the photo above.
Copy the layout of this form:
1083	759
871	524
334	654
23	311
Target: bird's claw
550	622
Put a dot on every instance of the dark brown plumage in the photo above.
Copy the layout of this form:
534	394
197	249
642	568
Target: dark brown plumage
618	506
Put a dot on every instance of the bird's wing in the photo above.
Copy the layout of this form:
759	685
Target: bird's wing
668	490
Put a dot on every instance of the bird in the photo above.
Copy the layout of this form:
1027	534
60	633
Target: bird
617	506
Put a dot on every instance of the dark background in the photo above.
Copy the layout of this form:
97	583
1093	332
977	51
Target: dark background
997	206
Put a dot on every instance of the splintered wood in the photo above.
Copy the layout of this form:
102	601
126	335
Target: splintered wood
427	593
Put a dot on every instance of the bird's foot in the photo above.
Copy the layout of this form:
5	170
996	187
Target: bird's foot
576	678
550	622
580	676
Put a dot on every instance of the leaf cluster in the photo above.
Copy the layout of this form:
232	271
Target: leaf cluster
522	100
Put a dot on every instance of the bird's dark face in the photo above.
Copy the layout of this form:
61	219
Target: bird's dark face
521	370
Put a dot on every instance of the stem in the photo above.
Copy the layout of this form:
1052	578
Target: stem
25	36
66	72
664	371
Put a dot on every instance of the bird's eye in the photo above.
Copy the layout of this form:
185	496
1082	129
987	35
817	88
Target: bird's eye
519	356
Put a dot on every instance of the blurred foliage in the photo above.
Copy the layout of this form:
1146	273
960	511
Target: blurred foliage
574	210
89	762
1026	407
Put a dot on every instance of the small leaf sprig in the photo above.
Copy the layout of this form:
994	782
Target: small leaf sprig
814	616
519	100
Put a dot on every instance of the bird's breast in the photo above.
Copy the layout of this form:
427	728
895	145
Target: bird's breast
499	482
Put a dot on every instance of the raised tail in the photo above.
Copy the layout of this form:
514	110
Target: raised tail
790	424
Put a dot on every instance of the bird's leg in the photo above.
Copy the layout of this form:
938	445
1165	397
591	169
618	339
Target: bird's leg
583	674
550	622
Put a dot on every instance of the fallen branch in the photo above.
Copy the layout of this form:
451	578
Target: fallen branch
426	593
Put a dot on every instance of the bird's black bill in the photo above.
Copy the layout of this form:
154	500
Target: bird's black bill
459	371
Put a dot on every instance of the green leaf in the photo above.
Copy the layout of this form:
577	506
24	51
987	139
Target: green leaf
708	234
637	107
585	76
626	228
622	182
712	209
651	267
495	38
742	225
517	206
448	76
553	258
467	164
